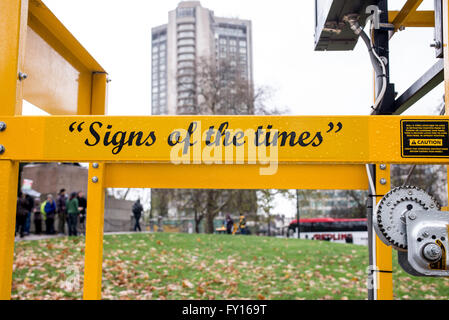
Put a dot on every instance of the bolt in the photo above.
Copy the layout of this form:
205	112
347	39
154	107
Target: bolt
2	126
383	167
95	179
383	181
436	45
432	206
22	76
95	165
412	216
425	234
2	149
432	252
410	193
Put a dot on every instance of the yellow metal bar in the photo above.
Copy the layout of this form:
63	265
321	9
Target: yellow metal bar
169	176
162	139
94	233
8	198
417	19
383	252
13	15
99	94
407	10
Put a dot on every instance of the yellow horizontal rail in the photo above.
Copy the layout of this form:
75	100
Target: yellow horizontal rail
169	176
417	19
228	139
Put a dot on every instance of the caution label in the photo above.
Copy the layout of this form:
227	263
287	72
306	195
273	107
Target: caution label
425	139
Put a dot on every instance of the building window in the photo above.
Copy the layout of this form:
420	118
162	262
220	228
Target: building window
186	27
186	80
186	42
232	42
242	43
223	41
185	12
186	34
186	50
162	47
155	49
242	50
186	56
186	64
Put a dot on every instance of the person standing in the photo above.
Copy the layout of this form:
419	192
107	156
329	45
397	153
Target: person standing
73	211
21	214
37	216
62	210
30	205
229	224
137	212
242	225
50	212
82	203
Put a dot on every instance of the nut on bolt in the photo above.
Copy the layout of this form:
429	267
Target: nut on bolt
95	179
2	126
383	181
383	167
95	165
2	149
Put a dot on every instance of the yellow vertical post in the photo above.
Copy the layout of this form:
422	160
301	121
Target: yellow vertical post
94	233
99	94
384	259
8	196
13	24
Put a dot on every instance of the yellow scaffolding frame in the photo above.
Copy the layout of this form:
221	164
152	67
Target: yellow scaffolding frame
28	31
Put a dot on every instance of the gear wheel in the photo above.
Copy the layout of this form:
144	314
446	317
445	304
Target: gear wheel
390	218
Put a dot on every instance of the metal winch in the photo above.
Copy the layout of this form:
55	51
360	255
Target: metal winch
411	221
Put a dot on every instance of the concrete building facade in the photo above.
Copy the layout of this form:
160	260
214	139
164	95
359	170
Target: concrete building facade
194	33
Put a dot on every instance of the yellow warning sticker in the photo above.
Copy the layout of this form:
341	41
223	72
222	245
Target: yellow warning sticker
426	142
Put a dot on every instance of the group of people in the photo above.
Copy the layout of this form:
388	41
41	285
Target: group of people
69	209
241	229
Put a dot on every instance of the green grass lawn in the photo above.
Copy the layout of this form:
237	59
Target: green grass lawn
180	266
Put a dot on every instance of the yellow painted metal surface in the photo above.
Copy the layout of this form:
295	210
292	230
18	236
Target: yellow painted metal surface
169	176
405	13
417	19
93	259
383	252
317	140
13	15
99	94
8	198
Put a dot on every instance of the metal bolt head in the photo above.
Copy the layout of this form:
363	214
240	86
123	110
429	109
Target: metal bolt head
425	234
2	126
432	252
22	76
95	179
436	45
383	167
2	149
95	165
383	181
412	216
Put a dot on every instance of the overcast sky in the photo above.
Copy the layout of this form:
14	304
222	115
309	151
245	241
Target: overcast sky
118	35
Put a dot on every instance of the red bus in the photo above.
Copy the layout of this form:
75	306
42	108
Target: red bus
330	229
